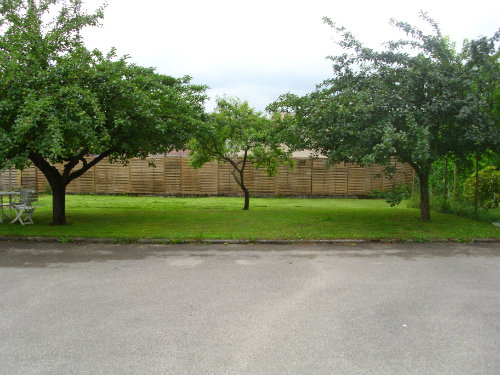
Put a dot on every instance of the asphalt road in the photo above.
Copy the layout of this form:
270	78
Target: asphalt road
249	309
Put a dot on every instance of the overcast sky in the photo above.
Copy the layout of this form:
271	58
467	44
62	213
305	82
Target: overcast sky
257	50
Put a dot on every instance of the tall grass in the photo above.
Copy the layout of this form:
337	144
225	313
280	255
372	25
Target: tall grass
460	208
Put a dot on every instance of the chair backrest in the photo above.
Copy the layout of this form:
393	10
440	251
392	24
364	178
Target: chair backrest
28	197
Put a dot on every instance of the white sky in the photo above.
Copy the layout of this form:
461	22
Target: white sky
257	50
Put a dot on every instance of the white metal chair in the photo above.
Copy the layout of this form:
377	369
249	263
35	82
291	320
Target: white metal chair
26	205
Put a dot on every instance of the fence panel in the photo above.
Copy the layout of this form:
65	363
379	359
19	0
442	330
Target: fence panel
296	181
200	181
145	179
328	181
262	183
111	178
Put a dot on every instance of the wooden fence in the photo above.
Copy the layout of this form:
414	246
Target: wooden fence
174	176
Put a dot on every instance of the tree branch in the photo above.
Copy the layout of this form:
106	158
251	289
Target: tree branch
87	166
236	178
233	163
244	161
72	163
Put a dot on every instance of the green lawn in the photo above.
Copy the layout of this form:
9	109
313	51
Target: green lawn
125	218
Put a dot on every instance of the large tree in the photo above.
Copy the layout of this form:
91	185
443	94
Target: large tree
61	104
241	136
417	100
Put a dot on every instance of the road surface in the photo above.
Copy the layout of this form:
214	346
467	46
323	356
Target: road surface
249	309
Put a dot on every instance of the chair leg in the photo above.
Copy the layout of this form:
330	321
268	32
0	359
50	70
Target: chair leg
19	213
26	211
27	219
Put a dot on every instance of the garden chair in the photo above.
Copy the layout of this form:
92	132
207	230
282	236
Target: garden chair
25	207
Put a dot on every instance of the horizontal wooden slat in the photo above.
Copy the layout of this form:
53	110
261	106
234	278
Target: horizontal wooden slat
329	181
203	181
172	177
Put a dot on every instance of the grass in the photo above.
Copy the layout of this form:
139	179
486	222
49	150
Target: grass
129	218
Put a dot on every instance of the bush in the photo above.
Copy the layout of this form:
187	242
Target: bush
488	186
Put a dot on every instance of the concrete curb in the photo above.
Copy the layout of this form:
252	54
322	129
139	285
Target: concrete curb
167	241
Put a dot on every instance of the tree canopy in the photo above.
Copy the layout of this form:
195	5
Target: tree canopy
416	100
63	104
237	134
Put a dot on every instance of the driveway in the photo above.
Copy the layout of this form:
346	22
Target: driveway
249	309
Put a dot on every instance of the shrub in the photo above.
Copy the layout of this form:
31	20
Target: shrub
488	187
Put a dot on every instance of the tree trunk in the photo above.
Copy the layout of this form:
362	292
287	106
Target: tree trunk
239	178
445	182
58	202
454	182
476	186
247	199
245	191
58	182
425	211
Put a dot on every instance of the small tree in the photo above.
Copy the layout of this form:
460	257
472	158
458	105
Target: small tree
237	134
60	103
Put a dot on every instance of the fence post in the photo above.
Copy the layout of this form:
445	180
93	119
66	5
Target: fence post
130	176
180	174
382	173
164	174
218	178
311	176
347	179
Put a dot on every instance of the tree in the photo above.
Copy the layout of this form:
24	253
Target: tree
415	101
60	103
237	134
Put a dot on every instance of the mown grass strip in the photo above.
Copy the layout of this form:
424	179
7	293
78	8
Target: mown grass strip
131	218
